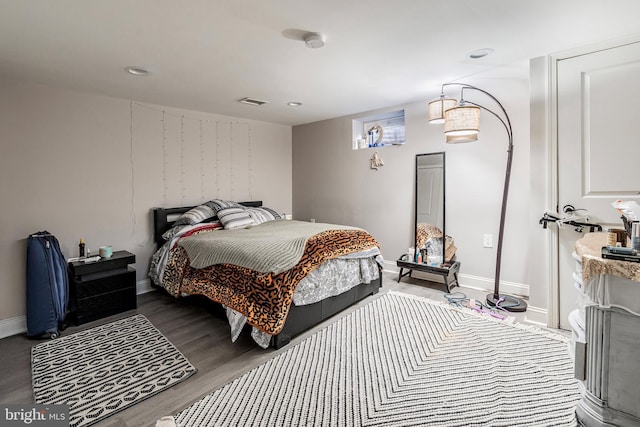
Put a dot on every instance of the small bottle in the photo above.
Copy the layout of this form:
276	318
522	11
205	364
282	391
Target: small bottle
81	248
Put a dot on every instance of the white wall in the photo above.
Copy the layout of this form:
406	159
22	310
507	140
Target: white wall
81	165
334	183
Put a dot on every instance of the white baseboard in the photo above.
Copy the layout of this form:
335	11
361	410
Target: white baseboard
474	282
143	286
13	326
18	325
486	284
535	315
390	267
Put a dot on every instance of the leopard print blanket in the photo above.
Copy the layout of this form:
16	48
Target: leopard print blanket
424	232
264	298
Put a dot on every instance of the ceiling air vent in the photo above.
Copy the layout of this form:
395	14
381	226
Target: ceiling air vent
253	101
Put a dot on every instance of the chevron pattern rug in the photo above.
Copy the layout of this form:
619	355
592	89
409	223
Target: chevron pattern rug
106	369
403	361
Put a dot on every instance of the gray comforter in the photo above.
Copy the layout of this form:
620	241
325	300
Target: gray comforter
270	247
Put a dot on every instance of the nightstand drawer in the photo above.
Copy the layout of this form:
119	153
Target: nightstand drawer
104	305
97	294
102	283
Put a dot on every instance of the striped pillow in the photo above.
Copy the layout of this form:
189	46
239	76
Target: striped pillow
218	204
261	215
195	215
234	218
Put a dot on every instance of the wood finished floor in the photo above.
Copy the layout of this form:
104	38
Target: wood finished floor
200	335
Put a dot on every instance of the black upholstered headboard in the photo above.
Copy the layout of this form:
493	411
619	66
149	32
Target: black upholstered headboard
163	218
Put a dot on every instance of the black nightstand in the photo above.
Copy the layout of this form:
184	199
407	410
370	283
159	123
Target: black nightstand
102	288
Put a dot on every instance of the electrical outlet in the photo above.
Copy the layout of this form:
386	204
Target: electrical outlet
488	241
312	220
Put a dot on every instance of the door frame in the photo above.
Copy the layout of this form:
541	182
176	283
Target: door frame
544	127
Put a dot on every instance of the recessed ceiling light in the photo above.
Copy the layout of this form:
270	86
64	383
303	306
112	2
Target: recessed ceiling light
294	104
480	53
138	71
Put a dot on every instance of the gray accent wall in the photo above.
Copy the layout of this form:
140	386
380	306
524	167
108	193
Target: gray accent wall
81	165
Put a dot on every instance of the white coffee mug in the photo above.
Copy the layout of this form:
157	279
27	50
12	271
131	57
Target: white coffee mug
105	252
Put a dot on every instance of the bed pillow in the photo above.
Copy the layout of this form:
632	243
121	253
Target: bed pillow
260	215
218	205
235	218
195	215
168	235
210	224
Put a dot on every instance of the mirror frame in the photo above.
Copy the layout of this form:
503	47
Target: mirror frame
415	221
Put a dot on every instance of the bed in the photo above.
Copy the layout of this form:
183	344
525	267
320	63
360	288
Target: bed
269	274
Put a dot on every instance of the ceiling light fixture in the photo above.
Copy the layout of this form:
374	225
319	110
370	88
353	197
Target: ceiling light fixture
313	40
138	71
294	104
480	53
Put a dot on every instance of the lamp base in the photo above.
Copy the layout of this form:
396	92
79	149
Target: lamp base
507	302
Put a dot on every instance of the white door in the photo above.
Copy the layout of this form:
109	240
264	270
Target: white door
598	146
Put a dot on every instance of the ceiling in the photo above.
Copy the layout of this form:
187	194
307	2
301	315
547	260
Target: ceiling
205	55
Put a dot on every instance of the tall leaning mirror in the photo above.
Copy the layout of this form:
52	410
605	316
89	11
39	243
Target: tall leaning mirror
430	207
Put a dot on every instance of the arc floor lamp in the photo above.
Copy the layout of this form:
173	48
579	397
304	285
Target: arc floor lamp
462	124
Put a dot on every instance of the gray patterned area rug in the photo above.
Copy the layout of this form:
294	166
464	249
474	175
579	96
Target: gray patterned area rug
403	361
106	369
